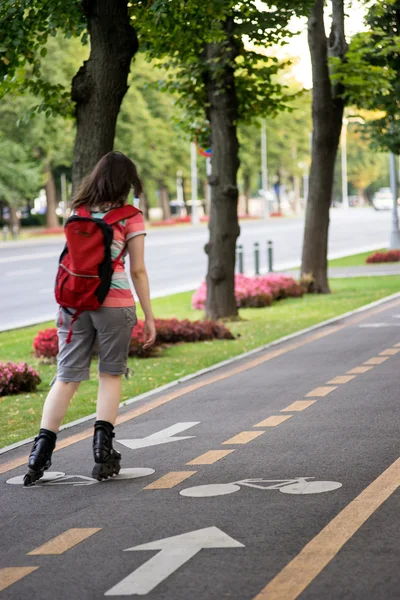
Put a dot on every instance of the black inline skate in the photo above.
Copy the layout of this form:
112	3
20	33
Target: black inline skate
107	460
40	456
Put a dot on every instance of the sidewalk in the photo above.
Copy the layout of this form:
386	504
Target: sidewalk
232	483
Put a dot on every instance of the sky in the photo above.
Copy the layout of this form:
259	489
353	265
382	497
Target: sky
298	47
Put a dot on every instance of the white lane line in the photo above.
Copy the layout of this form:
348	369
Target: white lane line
24	257
376	325
23	272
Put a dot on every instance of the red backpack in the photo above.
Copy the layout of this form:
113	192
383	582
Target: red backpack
86	267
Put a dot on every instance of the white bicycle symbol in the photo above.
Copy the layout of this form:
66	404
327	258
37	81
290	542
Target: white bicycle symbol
300	485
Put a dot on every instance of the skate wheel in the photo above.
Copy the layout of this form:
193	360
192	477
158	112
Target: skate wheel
31	478
28	480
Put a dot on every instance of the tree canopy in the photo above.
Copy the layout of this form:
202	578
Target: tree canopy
187	28
371	73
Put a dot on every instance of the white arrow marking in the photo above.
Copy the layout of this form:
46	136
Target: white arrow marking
161	437
175	552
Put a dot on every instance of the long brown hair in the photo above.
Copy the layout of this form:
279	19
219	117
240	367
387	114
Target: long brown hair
109	184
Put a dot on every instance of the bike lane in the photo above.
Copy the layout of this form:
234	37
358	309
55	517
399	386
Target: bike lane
287	417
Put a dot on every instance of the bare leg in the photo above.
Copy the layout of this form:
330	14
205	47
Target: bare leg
109	397
56	404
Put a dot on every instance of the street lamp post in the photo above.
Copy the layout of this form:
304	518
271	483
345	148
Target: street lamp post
179	187
345	193
193	155
209	192
395	233
264	167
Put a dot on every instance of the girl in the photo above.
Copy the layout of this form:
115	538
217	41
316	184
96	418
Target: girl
106	188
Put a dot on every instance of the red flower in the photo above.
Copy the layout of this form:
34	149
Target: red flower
45	343
174	331
383	257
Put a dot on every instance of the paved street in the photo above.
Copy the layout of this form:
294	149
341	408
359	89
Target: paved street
273	477
176	259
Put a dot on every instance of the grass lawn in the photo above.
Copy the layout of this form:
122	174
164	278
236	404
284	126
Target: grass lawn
20	415
353	260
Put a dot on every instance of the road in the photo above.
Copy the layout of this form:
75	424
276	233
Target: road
273	478
175	258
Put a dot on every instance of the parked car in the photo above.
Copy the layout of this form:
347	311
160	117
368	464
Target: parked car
383	199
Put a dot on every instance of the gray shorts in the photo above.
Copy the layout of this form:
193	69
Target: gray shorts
110	327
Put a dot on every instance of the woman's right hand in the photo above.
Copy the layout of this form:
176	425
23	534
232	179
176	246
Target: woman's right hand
150	333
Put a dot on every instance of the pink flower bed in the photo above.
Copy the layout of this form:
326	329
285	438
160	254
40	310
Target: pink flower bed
17	378
255	292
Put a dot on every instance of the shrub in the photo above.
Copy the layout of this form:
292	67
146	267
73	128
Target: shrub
255	292
45	343
15	379
33	221
174	331
169	331
384	257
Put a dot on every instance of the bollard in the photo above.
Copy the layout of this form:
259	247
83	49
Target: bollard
257	258
15	232
5	232
239	258
270	256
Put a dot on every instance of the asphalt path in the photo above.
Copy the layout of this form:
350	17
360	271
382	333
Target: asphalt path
301	500
175	259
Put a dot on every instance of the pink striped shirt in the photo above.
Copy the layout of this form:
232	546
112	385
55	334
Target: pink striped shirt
120	293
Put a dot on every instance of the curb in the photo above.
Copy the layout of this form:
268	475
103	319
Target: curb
279	268
219	365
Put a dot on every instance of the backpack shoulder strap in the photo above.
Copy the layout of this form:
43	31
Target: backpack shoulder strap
120	214
83	212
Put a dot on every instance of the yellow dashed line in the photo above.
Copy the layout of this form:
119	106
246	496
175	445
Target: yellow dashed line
161	401
390	352
209	458
244	437
359	370
341	379
65	541
320	392
273	421
376	360
11	575
299	405
170	480
317	554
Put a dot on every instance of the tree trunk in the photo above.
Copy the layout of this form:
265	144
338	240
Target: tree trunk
223	224
51	197
296	188
362	197
144	206
14	219
246	191
327	113
101	83
184	193
278	190
164	202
